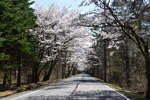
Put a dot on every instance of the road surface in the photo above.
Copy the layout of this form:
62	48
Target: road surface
80	87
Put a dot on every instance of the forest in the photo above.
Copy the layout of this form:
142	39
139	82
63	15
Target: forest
111	42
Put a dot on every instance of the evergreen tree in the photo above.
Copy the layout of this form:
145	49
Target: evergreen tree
16	18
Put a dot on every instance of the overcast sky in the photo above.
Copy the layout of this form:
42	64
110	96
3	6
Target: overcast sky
74	4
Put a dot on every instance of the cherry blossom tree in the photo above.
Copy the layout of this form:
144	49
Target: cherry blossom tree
58	33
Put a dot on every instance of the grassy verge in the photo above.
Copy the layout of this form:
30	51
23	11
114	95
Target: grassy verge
6	93
23	88
131	95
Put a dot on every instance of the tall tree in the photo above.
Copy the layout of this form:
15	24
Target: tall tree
16	18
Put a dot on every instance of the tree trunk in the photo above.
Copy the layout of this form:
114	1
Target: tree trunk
4	80
10	75
97	71
94	71
58	70
73	72
105	62
15	74
19	72
147	60
68	70
63	71
47	76
109	62
148	78
35	76
127	63
19	77
69	73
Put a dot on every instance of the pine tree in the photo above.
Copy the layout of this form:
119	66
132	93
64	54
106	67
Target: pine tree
16	18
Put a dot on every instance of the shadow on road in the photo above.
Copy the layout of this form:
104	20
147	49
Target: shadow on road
97	95
80	95
89	81
47	98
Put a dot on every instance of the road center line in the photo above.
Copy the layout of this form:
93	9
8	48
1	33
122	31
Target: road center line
74	92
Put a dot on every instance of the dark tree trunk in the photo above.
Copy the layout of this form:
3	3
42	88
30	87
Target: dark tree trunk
35	76
73	72
19	72
105	62
70	70
127	64
109	61
4	80
98	73
63	74
95	69
93	74
147	60
148	78
65	71
15	74
10	74
47	76
19	77
58	70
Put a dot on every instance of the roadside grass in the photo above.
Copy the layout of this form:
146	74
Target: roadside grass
131	95
6	93
24	87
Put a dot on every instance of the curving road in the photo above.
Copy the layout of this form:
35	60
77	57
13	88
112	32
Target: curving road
80	87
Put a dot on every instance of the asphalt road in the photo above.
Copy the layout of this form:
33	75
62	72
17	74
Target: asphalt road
80	87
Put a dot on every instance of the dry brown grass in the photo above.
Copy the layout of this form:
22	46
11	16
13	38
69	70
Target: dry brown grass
22	88
6	93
